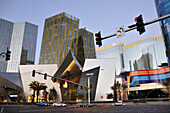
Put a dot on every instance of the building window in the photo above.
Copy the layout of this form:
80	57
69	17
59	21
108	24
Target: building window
122	60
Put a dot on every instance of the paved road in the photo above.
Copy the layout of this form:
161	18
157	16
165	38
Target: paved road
138	108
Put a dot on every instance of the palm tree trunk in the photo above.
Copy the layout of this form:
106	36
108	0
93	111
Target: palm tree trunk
37	94
33	96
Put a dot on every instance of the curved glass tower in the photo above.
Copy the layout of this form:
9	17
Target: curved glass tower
163	8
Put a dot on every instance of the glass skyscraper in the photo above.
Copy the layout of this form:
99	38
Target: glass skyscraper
144	54
23	45
6	28
61	34
163	8
86	47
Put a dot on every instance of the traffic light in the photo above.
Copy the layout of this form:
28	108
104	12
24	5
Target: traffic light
45	76
55	79
98	39
8	54
140	24
33	73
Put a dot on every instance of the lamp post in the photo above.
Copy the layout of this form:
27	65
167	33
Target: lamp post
89	76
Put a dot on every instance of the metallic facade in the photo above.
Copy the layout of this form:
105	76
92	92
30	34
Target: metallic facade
163	8
61	34
23	45
6	28
145	54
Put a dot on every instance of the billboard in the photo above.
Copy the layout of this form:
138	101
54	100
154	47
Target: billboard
146	76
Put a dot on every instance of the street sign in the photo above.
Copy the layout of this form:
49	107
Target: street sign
120	32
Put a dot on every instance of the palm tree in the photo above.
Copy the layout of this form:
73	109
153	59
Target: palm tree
36	86
44	87
40	86
33	86
124	93
53	94
118	88
114	88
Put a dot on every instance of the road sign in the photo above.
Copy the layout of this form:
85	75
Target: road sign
120	32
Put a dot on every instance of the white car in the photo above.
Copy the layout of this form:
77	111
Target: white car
59	104
119	104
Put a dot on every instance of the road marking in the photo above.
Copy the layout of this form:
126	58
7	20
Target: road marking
2	109
36	110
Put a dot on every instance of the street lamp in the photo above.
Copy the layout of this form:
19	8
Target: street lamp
65	85
89	76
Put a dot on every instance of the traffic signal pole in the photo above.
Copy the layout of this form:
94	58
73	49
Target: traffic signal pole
147	23
63	79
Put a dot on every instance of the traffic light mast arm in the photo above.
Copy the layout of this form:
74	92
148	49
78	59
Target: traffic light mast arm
2	53
63	80
147	23
158	19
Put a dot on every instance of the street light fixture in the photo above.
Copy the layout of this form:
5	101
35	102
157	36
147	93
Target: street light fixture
89	76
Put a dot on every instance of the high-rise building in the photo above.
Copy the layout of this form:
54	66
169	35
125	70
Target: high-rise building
61	34
144	54
23	45
86	46
163	8
6	28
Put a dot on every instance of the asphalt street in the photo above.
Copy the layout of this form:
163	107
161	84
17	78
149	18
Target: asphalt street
129	108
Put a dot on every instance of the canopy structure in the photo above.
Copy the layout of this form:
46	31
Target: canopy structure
70	64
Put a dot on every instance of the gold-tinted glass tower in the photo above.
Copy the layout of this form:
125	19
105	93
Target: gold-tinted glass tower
59	36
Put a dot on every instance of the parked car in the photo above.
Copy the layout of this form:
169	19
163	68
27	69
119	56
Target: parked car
59	104
119	104
42	104
85	104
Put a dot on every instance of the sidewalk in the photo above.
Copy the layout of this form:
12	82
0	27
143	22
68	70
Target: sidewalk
132	103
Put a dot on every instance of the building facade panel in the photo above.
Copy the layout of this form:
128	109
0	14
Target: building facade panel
23	45
113	51
106	76
6	29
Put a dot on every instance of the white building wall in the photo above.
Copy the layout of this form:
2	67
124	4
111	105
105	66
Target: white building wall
26	78
16	47
105	78
112	52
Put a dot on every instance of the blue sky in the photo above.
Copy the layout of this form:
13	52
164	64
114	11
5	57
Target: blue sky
95	15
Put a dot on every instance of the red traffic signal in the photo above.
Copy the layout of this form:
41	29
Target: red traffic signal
136	19
98	39
140	25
